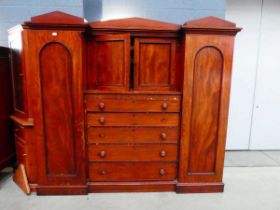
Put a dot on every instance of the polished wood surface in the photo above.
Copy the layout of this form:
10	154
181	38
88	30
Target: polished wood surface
20	179
135	152
125	105
135	119
133	134
208	61
154	64
114	73
59	112
7	145
125	171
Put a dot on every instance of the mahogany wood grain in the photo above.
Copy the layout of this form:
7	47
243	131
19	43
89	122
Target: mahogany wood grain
59	111
121	105
134	23
123	171
114	73
135	119
139	186
132	135
56	85
205	107
21	180
126	105
154	64
135	152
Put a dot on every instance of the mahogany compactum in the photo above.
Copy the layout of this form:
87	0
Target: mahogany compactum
121	105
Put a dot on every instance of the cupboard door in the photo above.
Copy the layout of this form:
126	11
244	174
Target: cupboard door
58	109
154	67
109	62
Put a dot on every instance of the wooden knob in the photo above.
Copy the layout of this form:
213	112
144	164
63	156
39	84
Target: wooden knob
102	120
103	172
162	153
102	154
102	135
164	106
162	172
163	136
101	105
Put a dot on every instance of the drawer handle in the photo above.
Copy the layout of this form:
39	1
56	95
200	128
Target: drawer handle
103	172
102	154
102	120
162	172
102	135
101	105
164	106
162	153
163	136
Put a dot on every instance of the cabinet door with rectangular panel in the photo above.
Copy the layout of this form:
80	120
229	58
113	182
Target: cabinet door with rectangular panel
155	64
108	62
56	62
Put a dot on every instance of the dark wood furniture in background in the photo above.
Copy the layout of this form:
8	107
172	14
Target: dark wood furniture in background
121	105
7	144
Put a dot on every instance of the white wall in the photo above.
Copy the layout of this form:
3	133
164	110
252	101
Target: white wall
254	119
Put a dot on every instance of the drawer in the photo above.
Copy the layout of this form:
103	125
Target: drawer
131	105
19	131
20	150
124	171
126	152
132	134
133	119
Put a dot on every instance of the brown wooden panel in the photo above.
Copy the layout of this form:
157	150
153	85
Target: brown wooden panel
109	62
133	105
147	152
124	171
56	87
208	67
17	74
154	64
135	119
131	134
20	150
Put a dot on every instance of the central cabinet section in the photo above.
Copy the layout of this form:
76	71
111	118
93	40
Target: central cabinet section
132	137
133	105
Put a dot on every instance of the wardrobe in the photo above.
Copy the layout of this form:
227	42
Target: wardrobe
122	105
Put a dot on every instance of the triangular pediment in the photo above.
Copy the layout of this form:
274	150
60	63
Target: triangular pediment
135	23
57	17
210	22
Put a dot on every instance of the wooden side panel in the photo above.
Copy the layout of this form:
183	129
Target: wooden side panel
56	87
154	64
109	62
208	60
18	73
57	108
208	66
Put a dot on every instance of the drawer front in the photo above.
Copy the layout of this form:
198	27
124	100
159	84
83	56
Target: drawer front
124	171
131	134
20	150
19	131
123	105
135	119
143	152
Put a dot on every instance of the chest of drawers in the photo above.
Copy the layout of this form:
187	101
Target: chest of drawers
122	105
133	137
